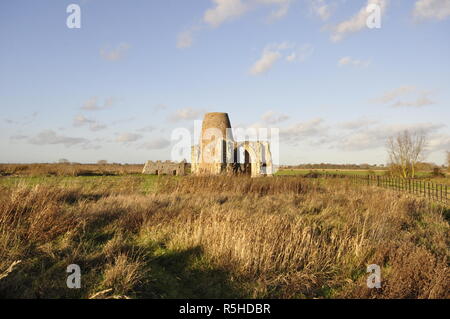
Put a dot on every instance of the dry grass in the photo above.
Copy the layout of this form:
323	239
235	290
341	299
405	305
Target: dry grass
219	237
122	275
69	169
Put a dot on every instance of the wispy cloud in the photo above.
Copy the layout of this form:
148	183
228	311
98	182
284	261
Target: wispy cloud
187	113
271	117
422	100
115	54
395	97
24	121
223	11
357	22
312	130
349	61
431	9
156	144
376	136
93	104
81	120
275	51
50	137
185	38
321	8
357	124
265	62
128	138
395	93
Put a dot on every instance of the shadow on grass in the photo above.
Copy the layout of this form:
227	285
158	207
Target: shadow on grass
187	274
168	273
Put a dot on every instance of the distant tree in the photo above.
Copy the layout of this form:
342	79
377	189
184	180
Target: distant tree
405	150
63	161
102	162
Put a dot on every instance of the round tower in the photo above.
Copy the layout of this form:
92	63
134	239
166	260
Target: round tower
215	126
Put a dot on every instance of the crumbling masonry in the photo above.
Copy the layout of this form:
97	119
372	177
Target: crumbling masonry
218	153
165	168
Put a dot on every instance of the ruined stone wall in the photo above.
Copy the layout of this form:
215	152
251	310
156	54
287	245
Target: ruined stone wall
217	151
166	168
257	161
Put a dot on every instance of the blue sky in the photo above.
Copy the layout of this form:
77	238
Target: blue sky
116	88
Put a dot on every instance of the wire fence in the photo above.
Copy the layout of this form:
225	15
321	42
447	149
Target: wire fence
430	190
433	191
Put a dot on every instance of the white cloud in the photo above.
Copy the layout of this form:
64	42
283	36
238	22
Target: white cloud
80	120
227	10
97	127
49	137
24	120
422	100
439	142
353	62
298	132
357	124
156	144
115	54
356	23
273	52
419	98
184	39
94	126
300	53
376	136
283	9
224	10
186	113
93	104
272	117
265	62
321	9
128	138
431	9
395	93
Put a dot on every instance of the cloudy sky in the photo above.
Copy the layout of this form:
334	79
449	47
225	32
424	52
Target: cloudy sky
117	87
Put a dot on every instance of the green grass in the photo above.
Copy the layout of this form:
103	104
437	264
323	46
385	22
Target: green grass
142	183
284	172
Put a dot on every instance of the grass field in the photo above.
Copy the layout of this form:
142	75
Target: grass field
421	175
183	237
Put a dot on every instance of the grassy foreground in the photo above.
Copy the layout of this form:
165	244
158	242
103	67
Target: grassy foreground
162	237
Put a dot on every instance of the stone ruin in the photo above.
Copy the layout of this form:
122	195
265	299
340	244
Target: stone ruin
166	168
218	153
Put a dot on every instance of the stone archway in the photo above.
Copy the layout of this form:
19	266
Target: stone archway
251	164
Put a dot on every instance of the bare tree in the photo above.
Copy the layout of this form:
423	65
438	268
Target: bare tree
405	150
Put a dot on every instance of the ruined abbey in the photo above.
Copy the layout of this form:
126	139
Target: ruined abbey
218	153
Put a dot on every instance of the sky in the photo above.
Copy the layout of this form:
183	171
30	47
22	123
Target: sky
117	87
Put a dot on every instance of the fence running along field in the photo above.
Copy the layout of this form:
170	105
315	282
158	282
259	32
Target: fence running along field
433	191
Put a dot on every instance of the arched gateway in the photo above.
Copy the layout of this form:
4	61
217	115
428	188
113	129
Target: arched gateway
218	153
